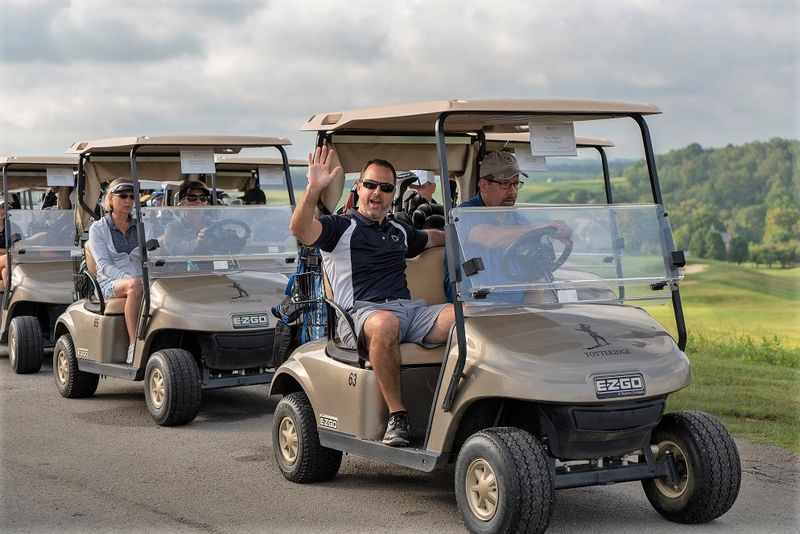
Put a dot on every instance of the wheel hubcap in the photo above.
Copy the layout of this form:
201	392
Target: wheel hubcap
482	489
673	491
157	388
62	367
12	347
288	440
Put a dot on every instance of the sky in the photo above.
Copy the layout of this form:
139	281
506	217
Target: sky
722	72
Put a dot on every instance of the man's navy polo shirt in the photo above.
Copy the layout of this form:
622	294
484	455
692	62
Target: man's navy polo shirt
366	260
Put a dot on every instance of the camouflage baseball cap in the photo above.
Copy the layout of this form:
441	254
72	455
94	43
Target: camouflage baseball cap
501	166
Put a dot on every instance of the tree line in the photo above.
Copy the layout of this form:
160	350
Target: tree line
736	203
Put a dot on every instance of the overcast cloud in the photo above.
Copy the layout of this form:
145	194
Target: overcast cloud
722	72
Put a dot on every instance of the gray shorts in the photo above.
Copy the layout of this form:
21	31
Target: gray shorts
416	320
107	287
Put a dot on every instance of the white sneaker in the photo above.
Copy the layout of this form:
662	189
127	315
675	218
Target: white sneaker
129	359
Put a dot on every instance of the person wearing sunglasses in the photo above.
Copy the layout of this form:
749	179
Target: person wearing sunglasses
3	252
187	233
364	256
499	182
114	244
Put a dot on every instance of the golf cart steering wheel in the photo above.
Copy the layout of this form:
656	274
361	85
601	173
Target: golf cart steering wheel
532	255
229	235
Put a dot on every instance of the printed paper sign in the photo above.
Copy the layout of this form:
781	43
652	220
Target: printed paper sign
553	139
567	295
197	161
60	176
530	163
270	175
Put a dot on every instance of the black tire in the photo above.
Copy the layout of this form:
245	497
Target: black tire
708	467
25	346
515	472
172	387
295	442
71	382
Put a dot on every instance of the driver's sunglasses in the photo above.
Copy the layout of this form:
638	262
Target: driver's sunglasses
372	184
507	185
196	198
125	196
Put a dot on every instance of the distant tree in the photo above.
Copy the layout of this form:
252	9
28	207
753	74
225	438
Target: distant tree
780	223
766	253
737	250
715	247
748	222
697	246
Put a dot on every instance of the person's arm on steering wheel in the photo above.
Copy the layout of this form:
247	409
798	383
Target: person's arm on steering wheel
488	236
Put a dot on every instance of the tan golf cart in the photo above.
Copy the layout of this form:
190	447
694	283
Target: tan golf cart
204	320
38	243
553	376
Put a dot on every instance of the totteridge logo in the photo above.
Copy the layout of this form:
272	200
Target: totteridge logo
599	340
395	238
242	292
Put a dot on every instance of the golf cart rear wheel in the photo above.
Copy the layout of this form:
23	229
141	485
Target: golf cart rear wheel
503	482
25	345
172	387
71	382
295	442
708	468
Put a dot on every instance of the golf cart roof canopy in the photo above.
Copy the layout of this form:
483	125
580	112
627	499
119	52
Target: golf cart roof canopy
523	138
38	163
506	115
248	162
166	144
23	173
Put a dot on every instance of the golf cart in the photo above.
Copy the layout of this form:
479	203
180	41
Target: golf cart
38	245
553	376
204	320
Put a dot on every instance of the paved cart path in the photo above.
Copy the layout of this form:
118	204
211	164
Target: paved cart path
102	465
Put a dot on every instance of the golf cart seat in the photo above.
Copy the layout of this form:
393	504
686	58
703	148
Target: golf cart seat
423	283
115	306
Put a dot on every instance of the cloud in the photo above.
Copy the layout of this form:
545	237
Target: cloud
94	69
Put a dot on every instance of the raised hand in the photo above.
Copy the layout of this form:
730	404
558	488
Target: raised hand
319	168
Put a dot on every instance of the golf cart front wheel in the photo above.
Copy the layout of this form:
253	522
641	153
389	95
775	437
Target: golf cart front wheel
295	442
25	345
707	464
172	387
71	382
503	482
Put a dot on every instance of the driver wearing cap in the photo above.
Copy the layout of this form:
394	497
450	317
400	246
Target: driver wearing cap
187	234
498	185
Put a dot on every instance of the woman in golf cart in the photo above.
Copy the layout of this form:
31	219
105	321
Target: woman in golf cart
114	244
187	233
3	256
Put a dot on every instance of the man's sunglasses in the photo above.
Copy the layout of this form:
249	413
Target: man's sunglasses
385	188
507	185
125	196
195	198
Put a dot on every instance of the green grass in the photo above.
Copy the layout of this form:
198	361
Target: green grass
754	399
744	344
724	301
564	190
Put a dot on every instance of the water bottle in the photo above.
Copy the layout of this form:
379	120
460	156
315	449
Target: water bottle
192	267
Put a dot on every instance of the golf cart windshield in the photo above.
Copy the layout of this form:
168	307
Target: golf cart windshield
516	256
206	239
41	235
